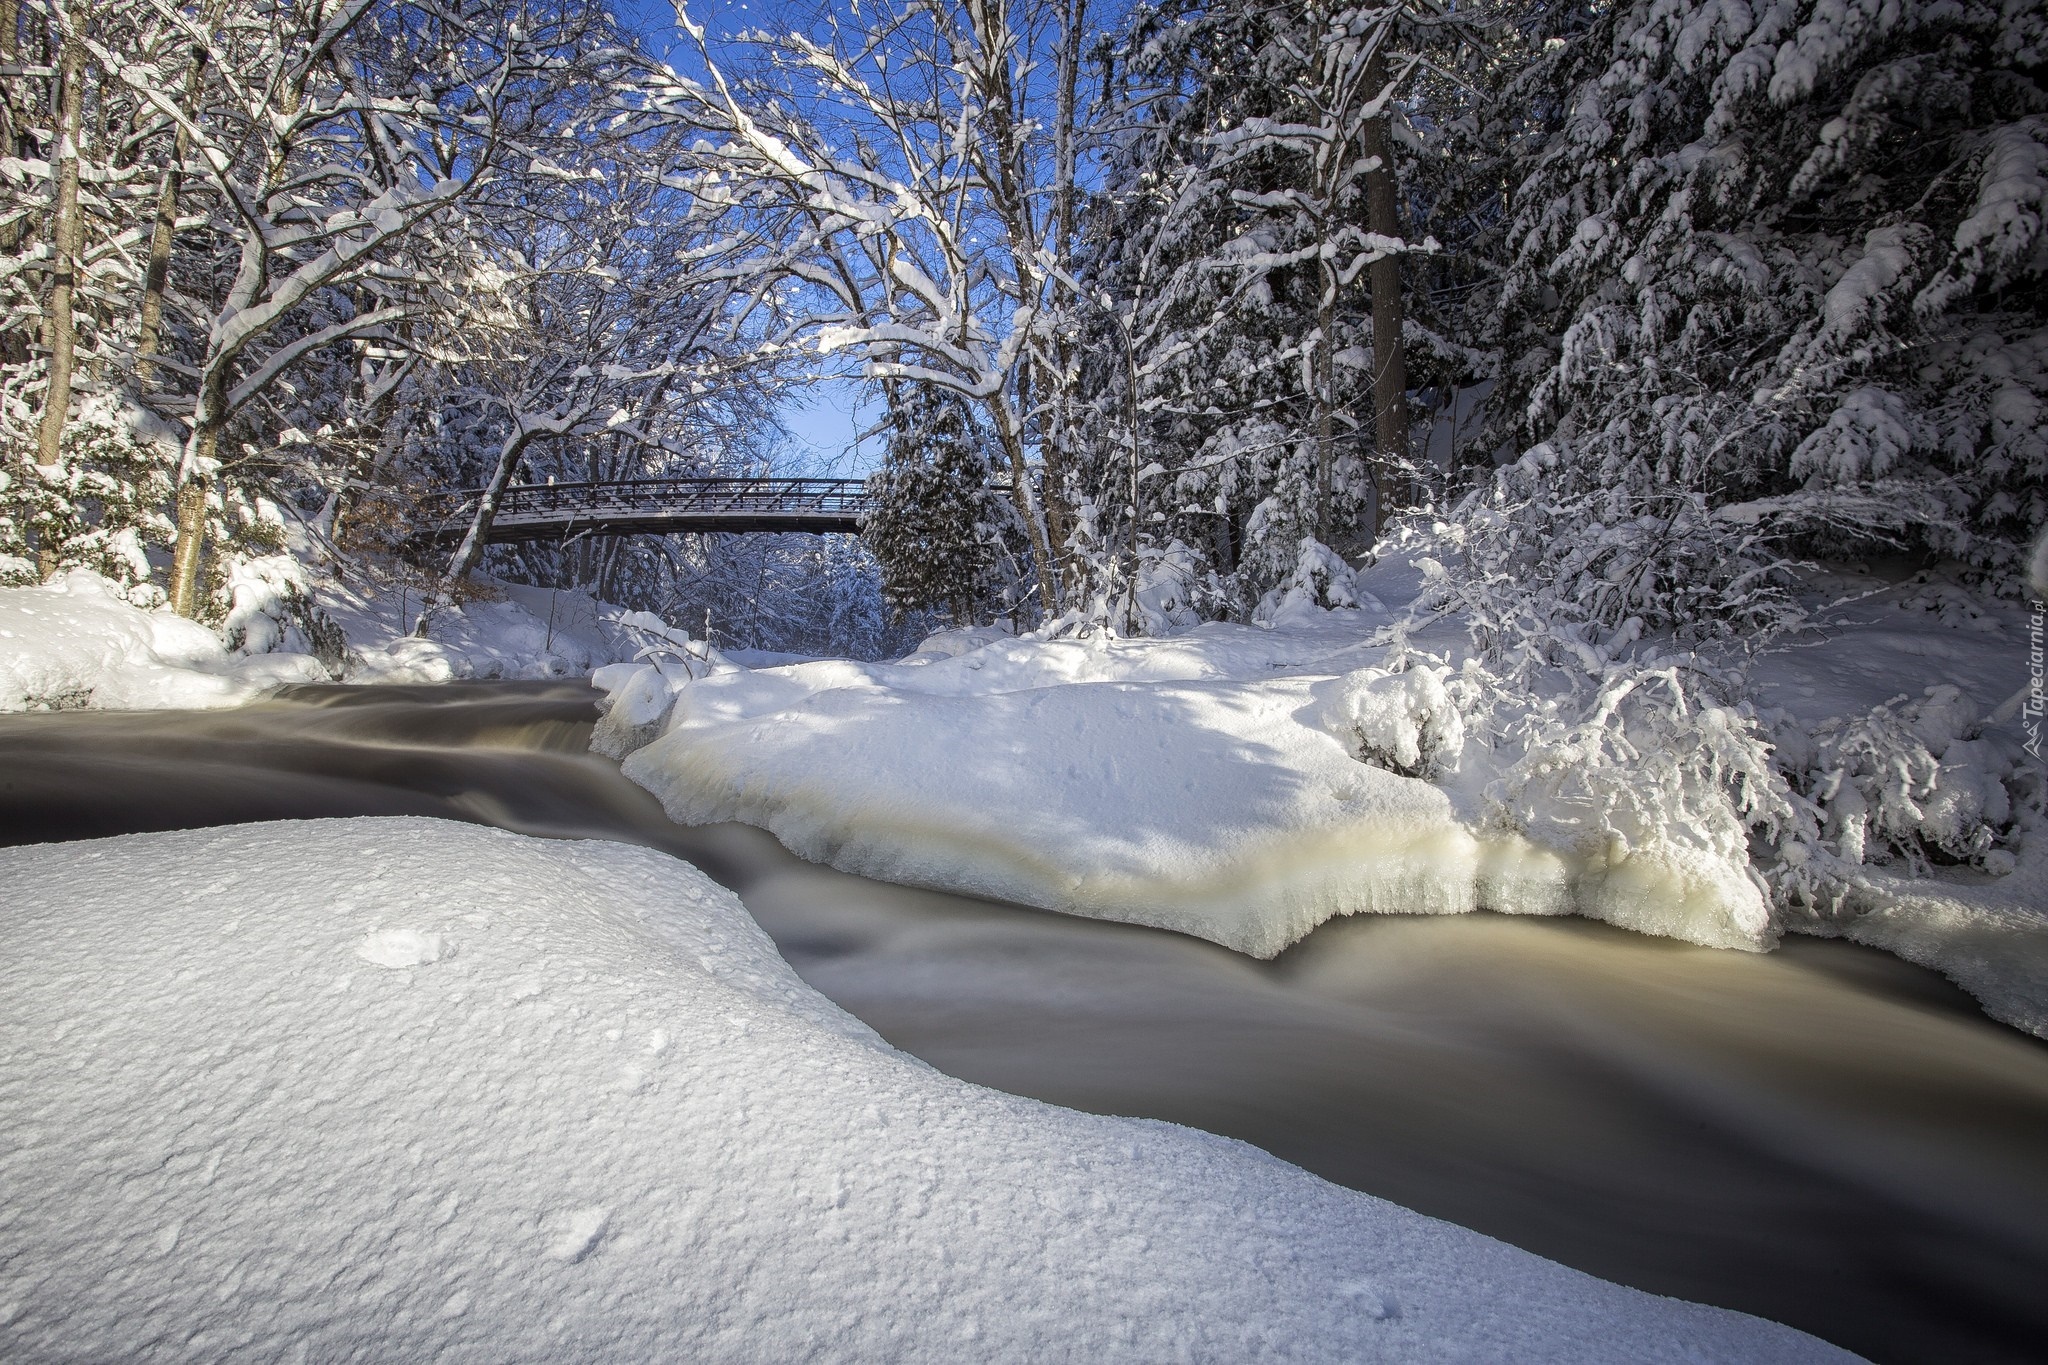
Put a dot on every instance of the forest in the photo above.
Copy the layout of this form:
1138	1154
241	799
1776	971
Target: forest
1164	310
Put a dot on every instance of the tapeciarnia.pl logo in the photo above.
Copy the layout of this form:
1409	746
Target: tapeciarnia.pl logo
2031	711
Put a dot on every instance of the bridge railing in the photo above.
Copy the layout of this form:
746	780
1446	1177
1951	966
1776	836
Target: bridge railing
735	496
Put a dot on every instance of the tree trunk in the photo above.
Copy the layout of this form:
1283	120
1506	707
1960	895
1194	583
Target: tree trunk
1326	395
1389	350
1028	509
156	275
195	478
12	142
64	242
191	546
472	547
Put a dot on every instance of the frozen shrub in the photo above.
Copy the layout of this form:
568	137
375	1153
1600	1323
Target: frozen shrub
1403	721
1582	577
271	610
1320	578
1657	768
1909	780
640	695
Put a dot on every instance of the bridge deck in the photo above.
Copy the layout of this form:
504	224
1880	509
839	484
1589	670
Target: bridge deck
555	511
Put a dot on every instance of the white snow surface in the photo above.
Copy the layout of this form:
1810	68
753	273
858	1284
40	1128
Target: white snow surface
1246	783
1239	783
517	632
77	642
423	1091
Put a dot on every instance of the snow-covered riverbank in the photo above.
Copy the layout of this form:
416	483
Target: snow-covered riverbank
78	642
420	1091
1865	777
1246	782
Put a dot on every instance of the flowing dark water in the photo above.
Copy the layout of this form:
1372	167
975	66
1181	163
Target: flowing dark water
1825	1135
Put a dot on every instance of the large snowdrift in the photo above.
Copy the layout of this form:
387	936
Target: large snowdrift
76	642
410	1090
1239	783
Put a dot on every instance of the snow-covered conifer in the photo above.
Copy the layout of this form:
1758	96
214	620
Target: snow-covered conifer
1789	258
934	518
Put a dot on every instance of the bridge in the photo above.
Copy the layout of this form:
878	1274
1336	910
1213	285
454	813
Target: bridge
622	507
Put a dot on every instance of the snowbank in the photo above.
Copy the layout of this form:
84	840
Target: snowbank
1241	784
1246	783
1221	809
525	633
77	642
410	1090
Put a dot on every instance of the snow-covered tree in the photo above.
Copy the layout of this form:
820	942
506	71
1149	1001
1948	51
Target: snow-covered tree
329	133
606	334
920	158
1786	264
933	527
1246	249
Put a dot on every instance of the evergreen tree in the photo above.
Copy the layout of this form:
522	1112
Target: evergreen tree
1789	257
934	521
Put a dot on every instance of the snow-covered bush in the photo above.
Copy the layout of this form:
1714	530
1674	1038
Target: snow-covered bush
1405	721
1657	774
1912	780
1166	590
271	610
1583	576
1642	760
640	694
1320	578
100	507
1168	587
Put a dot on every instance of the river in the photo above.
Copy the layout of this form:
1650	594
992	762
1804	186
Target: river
1824	1135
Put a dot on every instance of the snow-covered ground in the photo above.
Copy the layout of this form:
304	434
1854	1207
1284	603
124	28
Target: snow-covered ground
513	631
410	1090
77	642
1245	783
1985	930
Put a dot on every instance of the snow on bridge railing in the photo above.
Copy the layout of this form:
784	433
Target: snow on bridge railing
654	506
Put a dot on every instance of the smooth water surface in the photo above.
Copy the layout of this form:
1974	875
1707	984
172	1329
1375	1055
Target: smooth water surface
1824	1135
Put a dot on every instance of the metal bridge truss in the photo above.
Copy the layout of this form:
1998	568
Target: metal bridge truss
557	511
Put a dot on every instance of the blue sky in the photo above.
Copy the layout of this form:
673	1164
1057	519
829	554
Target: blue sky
824	417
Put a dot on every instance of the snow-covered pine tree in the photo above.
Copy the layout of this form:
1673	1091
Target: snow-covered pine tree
1788	257
934	518
1244	210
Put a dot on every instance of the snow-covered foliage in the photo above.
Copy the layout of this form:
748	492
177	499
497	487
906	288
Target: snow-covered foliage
272	610
1790	257
934	522
1405	721
1914	779
100	507
1321	578
1663	789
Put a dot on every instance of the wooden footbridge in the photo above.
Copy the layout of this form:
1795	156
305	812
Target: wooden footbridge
623	507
